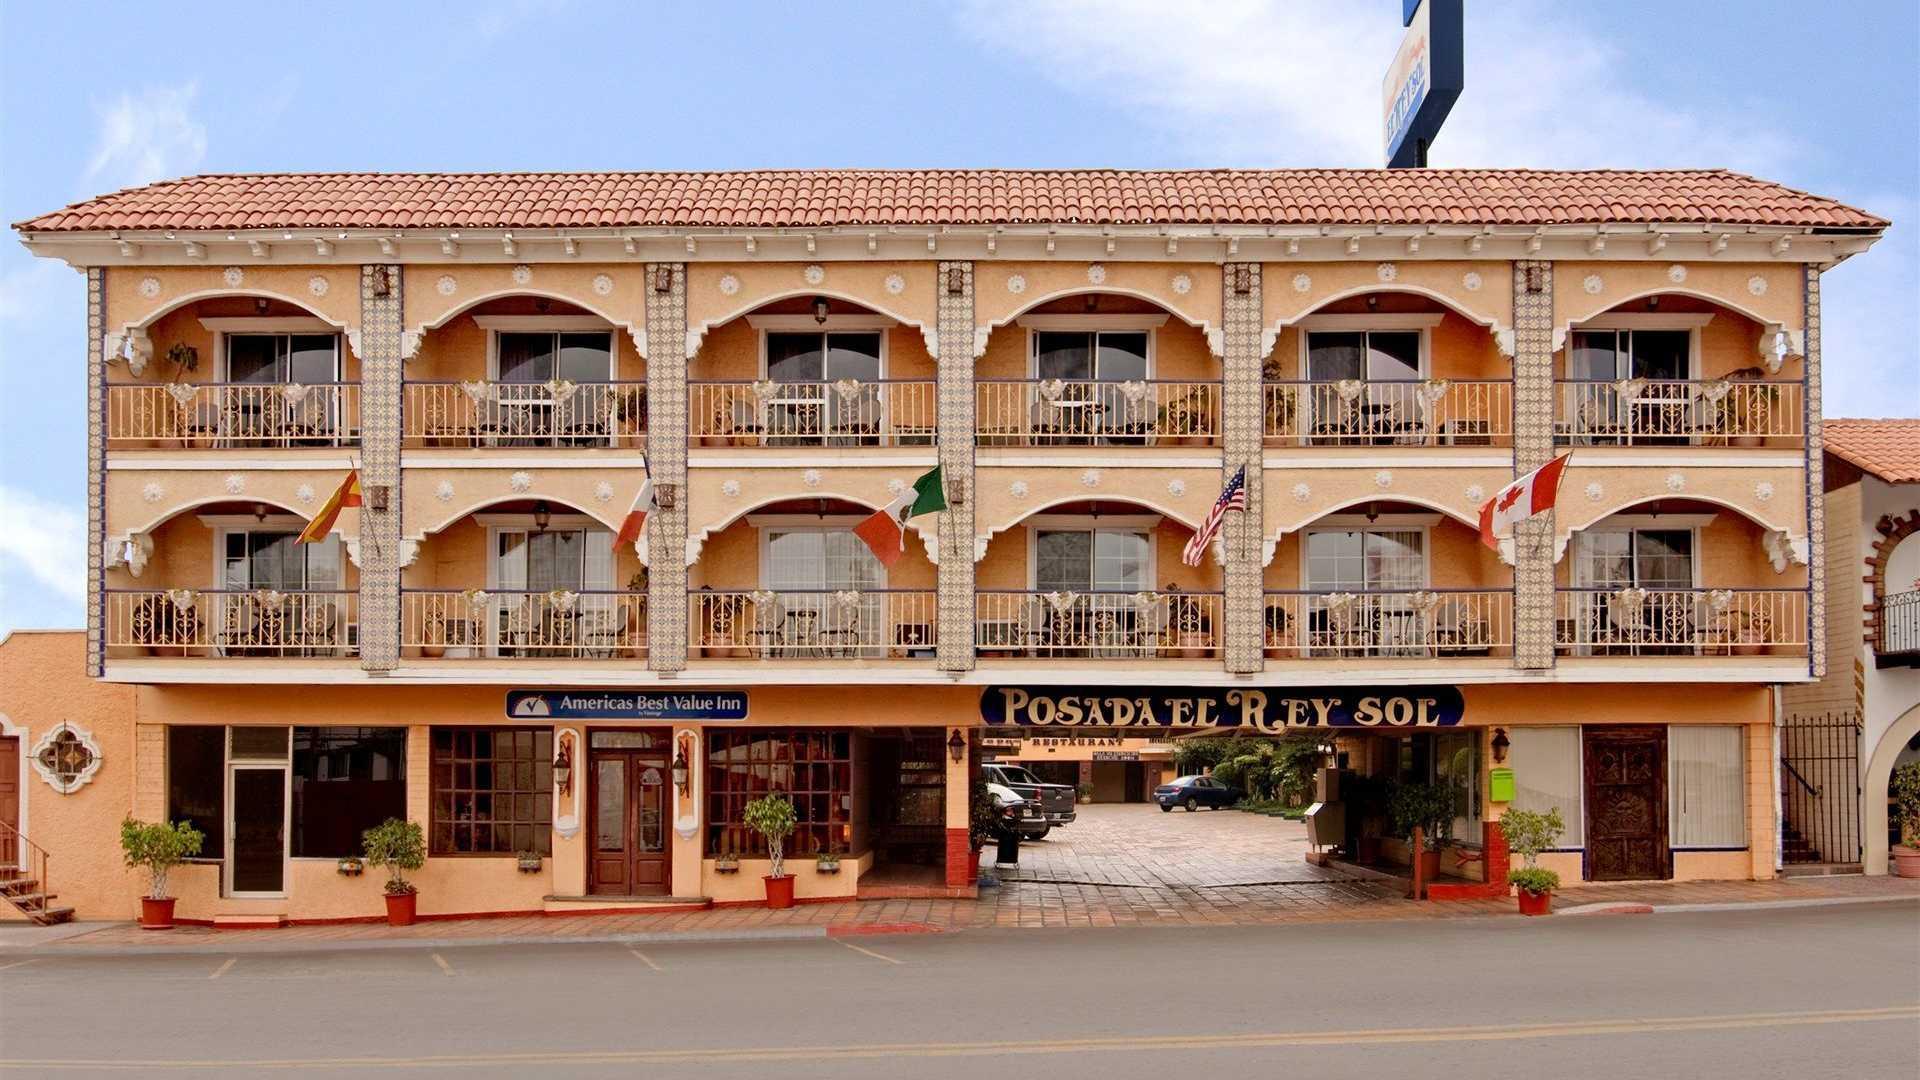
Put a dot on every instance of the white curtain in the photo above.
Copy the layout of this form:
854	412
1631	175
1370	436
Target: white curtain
1706	776
1546	776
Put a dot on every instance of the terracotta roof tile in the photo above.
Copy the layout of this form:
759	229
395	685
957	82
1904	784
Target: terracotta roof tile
857	197
1889	449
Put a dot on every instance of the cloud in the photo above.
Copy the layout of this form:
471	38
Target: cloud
44	542
148	136
492	20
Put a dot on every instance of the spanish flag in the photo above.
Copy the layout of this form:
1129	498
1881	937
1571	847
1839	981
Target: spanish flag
347	494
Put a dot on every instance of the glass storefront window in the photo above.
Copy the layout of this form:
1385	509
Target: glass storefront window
1546	776
1706	790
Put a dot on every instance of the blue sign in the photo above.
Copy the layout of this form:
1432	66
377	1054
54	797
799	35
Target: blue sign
1257	710
1424	80
627	704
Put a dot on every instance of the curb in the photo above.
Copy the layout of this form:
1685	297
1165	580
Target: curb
1607	909
1625	907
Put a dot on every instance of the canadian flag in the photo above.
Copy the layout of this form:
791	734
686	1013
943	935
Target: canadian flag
637	517
1532	494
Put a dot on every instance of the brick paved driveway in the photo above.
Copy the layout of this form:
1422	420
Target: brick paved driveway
1136	844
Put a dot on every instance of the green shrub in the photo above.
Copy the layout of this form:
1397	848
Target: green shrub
158	847
772	817
396	846
1530	832
1904	788
1426	806
1533	879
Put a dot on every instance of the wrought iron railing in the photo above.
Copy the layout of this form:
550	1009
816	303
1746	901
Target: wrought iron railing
479	623
1077	412
550	414
1679	412
1900	623
231	622
28	861
1413	623
1355	412
785	624
845	412
209	416
1682	622
1097	624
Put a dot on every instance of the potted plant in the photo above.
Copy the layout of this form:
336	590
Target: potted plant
773	818
1904	789
1084	792
1430	808
826	862
351	866
1530	832
1744	415
1183	421
1189	623
158	847
397	846
529	862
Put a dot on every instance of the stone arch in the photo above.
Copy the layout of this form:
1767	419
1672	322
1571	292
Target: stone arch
922	527
164	516
1270	545
697	332
132	337
410	337
1782	542
484	501
1894	531
1879	775
1770	330
1502	333
1216	339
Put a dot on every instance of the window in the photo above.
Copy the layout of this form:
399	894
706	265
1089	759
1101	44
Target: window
1092	560
1093	356
1640	558
812	767
1706	781
824	357
813	560
544	356
1360	580
266	559
1546	775
492	791
1456	765
1607	355
346	780
197	784
283	358
1384	355
571	559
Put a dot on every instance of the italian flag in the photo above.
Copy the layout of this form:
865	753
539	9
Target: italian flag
347	494
885	532
637	517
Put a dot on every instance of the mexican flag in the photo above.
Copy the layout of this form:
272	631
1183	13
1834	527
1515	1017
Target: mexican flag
885	532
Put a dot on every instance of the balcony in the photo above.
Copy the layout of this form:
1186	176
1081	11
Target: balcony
208	416
844	624
843	413
1099	625
1681	622
477	624
230	623
1899	644
1429	624
1075	412
1679	412
557	414
1355	412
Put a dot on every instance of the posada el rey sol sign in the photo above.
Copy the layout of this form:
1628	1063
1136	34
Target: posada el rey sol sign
1263	710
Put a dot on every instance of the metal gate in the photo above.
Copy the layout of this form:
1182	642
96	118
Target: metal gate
1820	789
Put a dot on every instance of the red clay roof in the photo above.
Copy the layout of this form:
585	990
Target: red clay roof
857	197
1889	449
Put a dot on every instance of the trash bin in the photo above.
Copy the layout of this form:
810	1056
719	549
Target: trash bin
1008	851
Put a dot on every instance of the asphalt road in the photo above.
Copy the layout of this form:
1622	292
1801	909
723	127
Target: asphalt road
1803	992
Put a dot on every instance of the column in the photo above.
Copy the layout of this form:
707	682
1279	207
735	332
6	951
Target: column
1242	427
381	365
961	866
954	646
667	458
96	470
1533	597
1816	483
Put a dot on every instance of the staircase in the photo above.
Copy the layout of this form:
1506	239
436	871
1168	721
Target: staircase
26	889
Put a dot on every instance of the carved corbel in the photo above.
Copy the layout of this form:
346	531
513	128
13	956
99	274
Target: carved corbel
931	335
133	551
639	336
1503	339
980	335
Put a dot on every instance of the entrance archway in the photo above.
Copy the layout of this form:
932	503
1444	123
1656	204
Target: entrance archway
1873	812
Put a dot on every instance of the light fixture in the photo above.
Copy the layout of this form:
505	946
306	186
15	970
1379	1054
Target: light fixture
259	305
663	279
1500	745
260	512
1373	512
379	497
381	286
1092	301
542	516
1373	303
563	764
543	305
1653	303
956	746
664	495
956	281
1536	278
1242	279
820	310
679	769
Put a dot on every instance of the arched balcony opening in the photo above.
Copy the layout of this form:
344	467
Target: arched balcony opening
523	579
1096	580
1387	579
1097	369
1681	577
526	371
1677	369
1388	368
812	371
233	371
790	581
229	579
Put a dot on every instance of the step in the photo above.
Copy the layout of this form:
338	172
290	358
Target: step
18	886
54	915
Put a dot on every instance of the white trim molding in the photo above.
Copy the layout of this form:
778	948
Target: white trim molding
1646	320
1092	321
1411	320
809	323
537	323
268	324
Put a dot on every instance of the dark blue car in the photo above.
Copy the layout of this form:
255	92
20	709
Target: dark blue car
1194	792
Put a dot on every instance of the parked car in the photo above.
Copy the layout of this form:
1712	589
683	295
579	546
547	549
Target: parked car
1050	804
1010	811
1194	792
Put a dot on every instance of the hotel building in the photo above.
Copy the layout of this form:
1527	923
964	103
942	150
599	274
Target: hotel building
1086	355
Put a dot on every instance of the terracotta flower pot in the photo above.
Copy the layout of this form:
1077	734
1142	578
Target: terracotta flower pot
1906	861
1430	865
156	914
779	890
1532	903
401	908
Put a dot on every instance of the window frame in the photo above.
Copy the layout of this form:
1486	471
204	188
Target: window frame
1093	332
719	795
1420	523
764	528
495	325
224	328
1138	525
1630	526
276	523
542	830
221	832
1739	788
1628	321
293	804
1576	824
835	324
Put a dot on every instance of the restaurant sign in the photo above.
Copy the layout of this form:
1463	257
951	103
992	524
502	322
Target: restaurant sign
627	705
1202	708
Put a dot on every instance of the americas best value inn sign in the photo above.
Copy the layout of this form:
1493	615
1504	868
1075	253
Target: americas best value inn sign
1268	711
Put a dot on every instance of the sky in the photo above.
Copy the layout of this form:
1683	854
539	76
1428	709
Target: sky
95	97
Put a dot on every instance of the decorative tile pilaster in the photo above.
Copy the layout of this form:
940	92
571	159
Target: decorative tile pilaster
381	364
954	639
1533	595
1241	430
1816	483
96	469
667	458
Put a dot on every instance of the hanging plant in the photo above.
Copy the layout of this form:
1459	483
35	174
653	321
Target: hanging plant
182	393
479	391
183	357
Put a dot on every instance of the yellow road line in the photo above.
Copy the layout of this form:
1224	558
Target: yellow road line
1125	1043
224	968
864	951
644	958
445	968
20	963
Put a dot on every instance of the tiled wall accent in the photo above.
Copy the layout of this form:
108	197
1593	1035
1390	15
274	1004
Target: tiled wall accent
1533	606
1242	427
381	365
96	465
667	458
1816	495
954	650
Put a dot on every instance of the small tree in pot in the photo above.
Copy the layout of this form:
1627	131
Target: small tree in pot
1428	807
397	846
158	848
1904	788
1530	832
772	817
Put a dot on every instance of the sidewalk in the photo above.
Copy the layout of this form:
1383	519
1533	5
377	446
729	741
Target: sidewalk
1021	905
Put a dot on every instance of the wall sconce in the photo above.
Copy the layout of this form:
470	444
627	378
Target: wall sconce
663	279
1242	279
1373	303
820	310
542	516
1500	745
1536	279
958	495
259	512
956	281
956	746
259	305
381	285
379	497
679	767
666	495
563	765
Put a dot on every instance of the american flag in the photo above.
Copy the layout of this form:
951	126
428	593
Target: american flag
1232	497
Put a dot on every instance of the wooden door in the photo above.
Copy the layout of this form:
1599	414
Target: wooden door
631	799
9	800
1626	804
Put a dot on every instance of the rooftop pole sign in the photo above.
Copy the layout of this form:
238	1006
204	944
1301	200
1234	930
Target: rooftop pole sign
1424	80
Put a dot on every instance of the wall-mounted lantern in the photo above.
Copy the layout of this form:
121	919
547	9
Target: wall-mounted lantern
956	746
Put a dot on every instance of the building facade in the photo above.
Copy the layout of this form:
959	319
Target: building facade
1086	357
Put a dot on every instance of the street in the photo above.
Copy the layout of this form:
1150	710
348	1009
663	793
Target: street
1793	992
